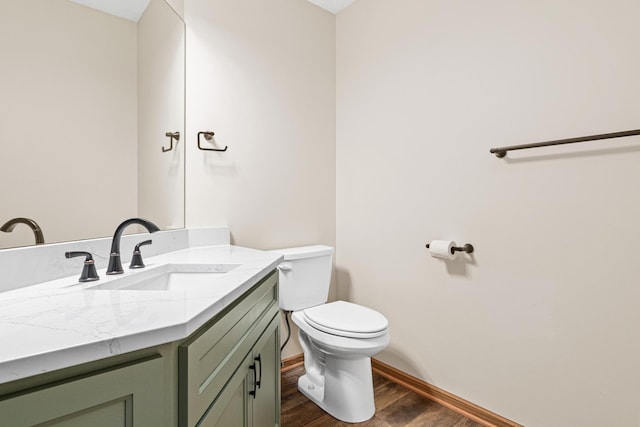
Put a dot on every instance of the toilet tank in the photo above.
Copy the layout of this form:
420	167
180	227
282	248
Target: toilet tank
304	276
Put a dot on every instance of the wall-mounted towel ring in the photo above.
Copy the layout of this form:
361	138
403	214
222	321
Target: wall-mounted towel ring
172	136
208	135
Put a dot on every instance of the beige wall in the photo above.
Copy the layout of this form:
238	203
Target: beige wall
61	165
261	75
541	324
161	85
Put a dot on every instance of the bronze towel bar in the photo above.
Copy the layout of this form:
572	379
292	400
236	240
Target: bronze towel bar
502	151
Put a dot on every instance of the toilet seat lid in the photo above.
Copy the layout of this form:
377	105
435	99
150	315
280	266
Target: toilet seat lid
347	320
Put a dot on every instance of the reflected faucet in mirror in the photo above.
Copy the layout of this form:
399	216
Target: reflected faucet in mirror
37	231
115	264
58	56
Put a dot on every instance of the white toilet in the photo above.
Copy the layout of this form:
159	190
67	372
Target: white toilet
338	338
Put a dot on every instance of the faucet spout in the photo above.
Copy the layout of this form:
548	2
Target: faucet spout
8	227
115	264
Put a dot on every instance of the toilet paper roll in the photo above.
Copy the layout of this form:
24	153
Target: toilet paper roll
442	249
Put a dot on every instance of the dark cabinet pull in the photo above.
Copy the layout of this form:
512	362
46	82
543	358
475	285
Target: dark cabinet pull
259	360
255	382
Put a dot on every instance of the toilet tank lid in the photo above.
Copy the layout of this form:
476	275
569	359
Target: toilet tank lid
302	252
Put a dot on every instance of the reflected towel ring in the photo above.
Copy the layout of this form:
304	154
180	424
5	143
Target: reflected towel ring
208	135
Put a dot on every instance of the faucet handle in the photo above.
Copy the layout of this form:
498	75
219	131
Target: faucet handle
136	259
89	273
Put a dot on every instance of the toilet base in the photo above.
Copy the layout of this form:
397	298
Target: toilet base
347	393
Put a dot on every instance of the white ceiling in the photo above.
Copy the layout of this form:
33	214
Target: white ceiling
127	9
133	9
333	6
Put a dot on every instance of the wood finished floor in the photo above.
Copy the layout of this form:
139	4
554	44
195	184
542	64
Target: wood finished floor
395	406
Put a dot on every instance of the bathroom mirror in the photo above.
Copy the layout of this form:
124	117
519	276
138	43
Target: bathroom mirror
89	93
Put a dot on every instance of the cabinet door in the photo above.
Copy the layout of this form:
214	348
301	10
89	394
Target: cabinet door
266	357
251	398
127	395
230	407
212	355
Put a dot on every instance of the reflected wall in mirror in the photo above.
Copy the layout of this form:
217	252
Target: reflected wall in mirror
87	98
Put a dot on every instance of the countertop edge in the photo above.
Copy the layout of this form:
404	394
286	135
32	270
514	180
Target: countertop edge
103	348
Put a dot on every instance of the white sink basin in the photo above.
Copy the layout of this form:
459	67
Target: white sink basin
169	277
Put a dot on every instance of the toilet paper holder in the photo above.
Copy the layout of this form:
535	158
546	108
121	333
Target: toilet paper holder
468	248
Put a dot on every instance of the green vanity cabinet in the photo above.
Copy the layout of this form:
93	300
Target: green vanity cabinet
205	380
126	395
229	372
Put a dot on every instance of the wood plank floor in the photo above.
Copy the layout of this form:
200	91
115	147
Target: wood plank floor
395	406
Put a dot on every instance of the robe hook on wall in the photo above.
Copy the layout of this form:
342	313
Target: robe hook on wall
208	135
172	136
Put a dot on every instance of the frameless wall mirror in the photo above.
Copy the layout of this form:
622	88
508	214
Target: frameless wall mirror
89	90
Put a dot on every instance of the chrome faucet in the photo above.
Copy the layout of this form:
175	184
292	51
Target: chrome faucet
37	231
115	265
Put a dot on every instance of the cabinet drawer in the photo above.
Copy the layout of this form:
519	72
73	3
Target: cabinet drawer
209	359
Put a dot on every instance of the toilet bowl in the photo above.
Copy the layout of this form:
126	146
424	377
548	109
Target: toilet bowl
337	338
338	373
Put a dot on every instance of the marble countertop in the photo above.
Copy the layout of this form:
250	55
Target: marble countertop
63	323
